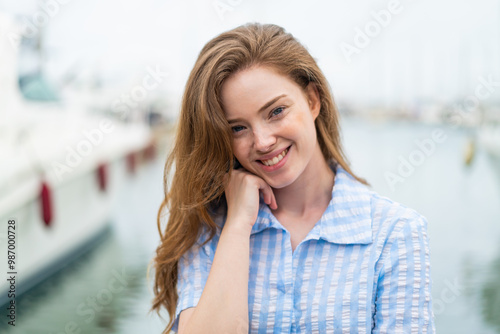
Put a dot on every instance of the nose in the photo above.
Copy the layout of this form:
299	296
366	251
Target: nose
264	139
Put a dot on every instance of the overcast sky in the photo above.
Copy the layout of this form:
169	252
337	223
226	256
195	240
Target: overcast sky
433	50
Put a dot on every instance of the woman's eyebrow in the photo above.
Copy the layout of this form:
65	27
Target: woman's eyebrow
264	107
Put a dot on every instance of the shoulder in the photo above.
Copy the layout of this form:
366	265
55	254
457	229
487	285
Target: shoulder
395	224
382	216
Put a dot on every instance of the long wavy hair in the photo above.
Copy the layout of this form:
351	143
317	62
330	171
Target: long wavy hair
202	153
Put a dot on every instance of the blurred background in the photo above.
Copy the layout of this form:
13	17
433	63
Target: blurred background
89	97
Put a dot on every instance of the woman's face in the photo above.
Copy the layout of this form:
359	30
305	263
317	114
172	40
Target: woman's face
272	122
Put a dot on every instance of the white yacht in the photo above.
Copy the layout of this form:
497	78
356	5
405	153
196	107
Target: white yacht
60	168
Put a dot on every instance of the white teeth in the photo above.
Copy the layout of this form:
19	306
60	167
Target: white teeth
276	159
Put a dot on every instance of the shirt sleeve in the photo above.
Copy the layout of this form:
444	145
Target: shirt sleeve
193	269
403	301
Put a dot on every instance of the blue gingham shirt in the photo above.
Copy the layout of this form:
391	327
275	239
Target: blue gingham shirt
363	268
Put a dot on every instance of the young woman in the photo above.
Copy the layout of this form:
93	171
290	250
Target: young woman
269	230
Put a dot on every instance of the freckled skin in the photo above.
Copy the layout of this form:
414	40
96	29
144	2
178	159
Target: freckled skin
260	133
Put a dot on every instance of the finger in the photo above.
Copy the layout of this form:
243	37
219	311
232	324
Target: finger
274	204
268	195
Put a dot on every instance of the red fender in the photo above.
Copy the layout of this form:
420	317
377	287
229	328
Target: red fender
131	162
46	203
150	151
102	176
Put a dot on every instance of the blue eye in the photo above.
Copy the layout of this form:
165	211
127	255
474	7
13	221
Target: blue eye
277	111
237	128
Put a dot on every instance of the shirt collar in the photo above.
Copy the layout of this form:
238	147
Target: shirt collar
347	219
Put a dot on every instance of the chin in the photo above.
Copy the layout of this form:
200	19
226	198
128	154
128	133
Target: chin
279	184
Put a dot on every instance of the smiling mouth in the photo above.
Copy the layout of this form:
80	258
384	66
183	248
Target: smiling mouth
276	159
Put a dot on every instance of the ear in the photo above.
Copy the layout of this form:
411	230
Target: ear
313	99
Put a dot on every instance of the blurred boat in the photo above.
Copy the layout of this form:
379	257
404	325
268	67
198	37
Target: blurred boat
61	168
470	151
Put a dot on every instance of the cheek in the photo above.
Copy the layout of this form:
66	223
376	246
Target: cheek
239	149
303	130
306	119
294	126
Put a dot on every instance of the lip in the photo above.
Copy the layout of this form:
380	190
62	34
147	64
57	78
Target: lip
279	164
272	155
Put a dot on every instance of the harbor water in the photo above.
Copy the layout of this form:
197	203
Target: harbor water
422	166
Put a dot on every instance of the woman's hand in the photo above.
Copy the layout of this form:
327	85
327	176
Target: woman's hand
242	191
